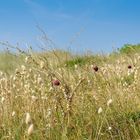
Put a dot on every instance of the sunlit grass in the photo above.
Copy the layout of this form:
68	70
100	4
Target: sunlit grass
60	96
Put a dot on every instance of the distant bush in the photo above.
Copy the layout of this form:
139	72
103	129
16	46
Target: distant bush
82	60
129	48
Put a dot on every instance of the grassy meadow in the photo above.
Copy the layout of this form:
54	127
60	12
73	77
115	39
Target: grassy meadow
57	95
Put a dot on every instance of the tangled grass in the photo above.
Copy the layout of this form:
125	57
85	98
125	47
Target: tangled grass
54	97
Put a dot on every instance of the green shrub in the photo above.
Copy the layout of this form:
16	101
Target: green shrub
129	48
82	60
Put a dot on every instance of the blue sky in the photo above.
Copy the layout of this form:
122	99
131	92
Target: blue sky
79	25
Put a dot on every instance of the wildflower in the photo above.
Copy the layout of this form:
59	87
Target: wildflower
129	66
95	68
30	129
109	102
56	82
100	110
28	118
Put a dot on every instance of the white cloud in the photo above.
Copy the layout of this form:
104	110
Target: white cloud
41	11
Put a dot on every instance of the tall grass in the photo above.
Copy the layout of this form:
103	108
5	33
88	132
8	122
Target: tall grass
58	96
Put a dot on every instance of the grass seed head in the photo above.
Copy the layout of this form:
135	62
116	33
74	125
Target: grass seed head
100	110
2	100
109	102
34	98
39	80
42	64
109	128
28	118
30	129
23	68
13	113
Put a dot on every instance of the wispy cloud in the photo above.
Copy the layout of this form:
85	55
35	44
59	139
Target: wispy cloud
42	11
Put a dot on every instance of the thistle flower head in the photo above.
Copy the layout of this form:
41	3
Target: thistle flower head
129	66
95	68
56	82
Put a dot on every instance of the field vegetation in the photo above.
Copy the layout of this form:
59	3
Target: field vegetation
57	95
